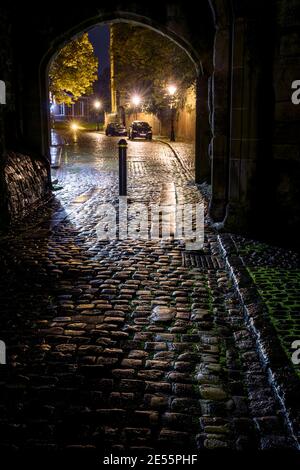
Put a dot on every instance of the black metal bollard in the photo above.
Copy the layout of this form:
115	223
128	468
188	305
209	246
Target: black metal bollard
122	167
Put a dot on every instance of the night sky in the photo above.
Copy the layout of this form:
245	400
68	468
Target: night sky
99	37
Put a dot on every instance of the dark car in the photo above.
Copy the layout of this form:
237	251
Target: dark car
140	129
114	128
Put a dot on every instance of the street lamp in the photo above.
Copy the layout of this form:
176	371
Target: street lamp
136	101
97	106
171	91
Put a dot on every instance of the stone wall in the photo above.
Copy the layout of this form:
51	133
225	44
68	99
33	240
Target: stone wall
186	117
26	184
23	179
286	141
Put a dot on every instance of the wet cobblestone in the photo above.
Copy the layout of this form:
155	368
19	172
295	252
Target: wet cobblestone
117	344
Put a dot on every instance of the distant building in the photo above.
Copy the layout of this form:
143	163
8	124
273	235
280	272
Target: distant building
81	110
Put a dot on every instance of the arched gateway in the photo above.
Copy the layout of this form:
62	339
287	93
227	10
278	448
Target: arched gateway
238	104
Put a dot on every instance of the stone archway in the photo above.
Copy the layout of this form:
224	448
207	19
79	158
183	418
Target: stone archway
205	39
202	123
243	93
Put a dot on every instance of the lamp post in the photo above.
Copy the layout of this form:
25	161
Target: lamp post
171	91
97	106
136	101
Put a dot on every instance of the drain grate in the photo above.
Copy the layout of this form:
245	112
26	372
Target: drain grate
194	259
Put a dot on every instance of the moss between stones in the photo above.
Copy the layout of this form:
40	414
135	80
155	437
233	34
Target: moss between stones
279	288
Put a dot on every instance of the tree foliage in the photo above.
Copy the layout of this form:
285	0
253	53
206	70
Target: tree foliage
73	71
146	62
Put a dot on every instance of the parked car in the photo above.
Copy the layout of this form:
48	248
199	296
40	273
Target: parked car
140	129
114	128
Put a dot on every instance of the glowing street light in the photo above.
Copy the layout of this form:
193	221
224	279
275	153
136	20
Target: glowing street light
136	101
172	89
97	106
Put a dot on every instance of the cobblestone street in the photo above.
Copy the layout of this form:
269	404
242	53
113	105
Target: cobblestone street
125	344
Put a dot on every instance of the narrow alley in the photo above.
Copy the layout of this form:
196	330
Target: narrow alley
125	344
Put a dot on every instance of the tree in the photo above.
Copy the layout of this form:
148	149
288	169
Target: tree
146	62
73	71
